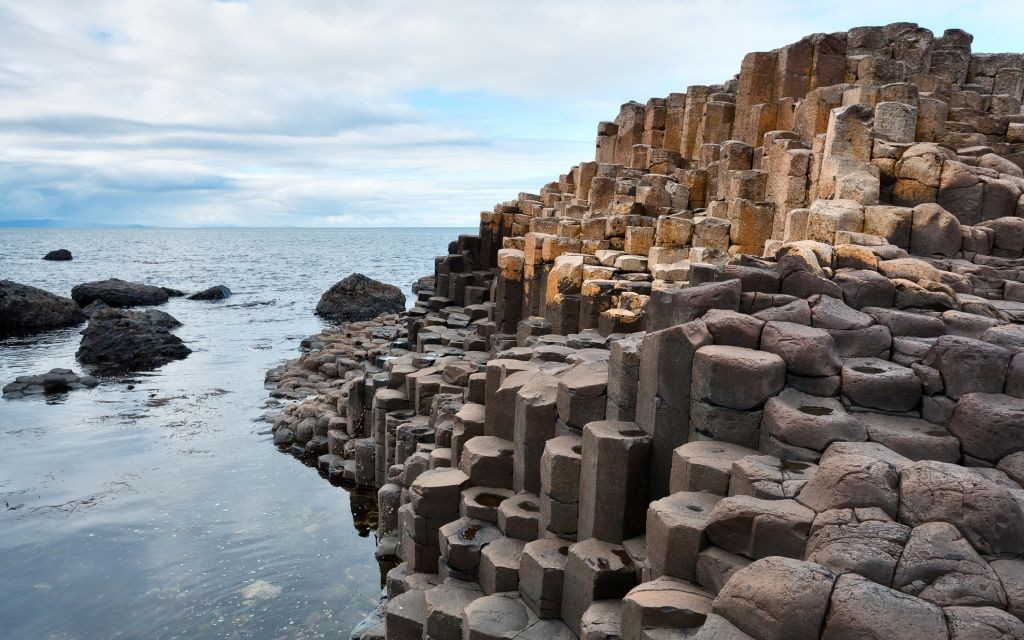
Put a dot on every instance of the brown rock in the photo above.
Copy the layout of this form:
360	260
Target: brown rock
863	610
777	599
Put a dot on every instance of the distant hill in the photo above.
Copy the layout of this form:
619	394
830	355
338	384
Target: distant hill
53	223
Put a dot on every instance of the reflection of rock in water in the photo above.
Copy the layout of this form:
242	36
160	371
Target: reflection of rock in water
364	511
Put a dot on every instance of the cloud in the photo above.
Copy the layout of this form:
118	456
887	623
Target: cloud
267	112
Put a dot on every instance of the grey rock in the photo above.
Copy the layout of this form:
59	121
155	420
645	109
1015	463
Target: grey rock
25	309
358	297
118	339
118	293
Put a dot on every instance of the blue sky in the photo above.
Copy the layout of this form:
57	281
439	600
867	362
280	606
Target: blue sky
388	113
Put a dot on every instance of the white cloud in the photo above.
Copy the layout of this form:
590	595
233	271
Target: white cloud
357	113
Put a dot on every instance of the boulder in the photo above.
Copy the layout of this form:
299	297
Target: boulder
808	351
862	541
118	293
358	297
58	255
968	365
1011	576
988	514
852	481
777	599
830	313
982	623
939	566
989	425
25	309
218	292
863	610
863	288
54	381
118	339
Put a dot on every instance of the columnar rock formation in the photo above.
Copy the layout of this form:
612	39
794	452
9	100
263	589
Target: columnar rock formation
756	371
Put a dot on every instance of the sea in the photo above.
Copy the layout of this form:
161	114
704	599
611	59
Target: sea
155	505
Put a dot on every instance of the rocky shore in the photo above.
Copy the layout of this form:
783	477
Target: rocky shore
115	340
756	371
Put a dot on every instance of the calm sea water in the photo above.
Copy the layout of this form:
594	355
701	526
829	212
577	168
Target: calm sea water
155	505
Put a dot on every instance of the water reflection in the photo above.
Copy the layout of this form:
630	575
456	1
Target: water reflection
155	505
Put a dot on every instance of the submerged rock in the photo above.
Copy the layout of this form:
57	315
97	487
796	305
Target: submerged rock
219	292
118	293
25	309
130	340
358	297
58	255
55	381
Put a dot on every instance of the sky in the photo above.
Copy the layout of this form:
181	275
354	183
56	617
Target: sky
352	113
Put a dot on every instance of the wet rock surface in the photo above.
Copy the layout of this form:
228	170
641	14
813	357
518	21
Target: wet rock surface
25	309
218	292
118	293
54	381
58	255
122	340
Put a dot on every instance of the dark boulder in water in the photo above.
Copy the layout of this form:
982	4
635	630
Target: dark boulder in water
25	309
118	293
58	255
118	339
173	293
94	307
219	292
55	381
360	298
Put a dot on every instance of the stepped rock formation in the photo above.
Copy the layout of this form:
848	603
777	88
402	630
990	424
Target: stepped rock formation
756	371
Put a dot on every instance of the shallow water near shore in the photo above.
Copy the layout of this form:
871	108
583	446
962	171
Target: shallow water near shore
155	505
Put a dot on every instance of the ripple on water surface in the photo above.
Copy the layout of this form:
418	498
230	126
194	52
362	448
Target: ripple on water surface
154	505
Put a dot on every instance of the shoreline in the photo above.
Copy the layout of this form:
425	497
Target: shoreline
752	373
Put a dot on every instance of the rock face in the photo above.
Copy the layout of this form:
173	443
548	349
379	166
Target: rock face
782	317
117	339
55	381
359	298
58	255
118	293
218	292
25	309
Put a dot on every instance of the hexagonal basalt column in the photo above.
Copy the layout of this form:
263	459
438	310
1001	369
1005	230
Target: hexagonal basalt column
461	542
594	570
488	462
613	480
518	517
541	576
